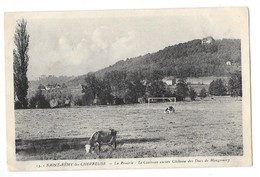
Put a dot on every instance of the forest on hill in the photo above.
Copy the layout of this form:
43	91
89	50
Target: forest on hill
189	59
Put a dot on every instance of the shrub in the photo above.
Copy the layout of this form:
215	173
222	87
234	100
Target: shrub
181	90
203	93
192	93
217	88
77	100
39	101
235	84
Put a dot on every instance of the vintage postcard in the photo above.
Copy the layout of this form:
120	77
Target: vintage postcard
119	89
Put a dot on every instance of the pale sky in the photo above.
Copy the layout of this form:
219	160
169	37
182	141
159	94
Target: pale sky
77	45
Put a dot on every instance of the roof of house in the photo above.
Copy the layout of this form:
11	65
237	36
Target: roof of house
169	78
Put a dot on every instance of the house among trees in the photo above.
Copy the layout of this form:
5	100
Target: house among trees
228	63
41	87
53	86
207	40
169	80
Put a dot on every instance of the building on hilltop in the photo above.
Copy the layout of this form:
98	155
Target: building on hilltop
207	40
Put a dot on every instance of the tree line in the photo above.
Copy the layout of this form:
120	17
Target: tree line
131	86
119	87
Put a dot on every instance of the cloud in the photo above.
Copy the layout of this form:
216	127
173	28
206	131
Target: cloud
102	38
125	46
72	53
95	50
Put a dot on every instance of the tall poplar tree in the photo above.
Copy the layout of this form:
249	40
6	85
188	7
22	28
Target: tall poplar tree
20	64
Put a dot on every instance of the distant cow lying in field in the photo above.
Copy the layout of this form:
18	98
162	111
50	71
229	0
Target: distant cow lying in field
169	109
102	138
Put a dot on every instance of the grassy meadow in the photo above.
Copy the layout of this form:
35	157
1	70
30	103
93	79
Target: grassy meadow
210	127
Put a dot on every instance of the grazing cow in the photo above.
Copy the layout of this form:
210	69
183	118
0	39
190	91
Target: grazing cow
102	138
169	109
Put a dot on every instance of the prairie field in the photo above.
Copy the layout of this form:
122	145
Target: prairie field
210	127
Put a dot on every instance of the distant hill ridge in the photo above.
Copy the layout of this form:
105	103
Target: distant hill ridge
196	58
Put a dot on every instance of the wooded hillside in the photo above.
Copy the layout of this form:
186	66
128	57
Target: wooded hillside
189	59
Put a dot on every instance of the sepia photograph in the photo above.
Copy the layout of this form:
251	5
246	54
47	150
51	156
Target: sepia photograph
119	89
